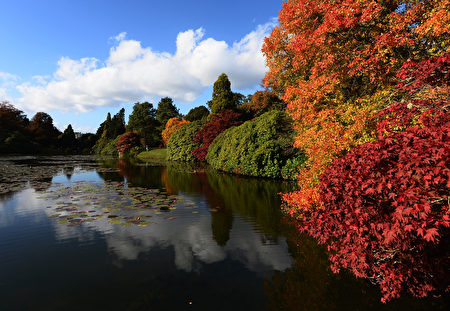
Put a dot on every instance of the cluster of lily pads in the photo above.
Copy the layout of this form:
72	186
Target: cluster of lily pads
85	201
19	173
119	204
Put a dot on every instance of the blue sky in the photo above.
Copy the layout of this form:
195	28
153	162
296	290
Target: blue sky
77	60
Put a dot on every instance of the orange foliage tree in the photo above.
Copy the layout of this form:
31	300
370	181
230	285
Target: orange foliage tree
172	125
334	64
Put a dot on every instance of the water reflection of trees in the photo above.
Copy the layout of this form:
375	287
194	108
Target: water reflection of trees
193	179
226	194
68	171
256	199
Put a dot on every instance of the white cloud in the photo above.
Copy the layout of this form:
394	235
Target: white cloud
42	80
7	81
7	77
133	72
119	37
3	95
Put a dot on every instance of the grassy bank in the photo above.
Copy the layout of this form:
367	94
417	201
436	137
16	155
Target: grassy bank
153	155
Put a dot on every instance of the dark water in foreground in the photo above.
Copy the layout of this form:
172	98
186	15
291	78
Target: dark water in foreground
85	234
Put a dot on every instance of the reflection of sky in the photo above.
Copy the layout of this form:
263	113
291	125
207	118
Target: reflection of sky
84	176
23	204
189	235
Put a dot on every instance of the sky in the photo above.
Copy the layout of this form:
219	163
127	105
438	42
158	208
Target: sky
79	60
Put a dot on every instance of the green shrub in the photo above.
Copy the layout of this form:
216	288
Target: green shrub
261	147
180	145
105	146
110	147
100	144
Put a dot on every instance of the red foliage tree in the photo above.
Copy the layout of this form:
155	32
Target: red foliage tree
127	141
212	129
385	212
424	88
334	64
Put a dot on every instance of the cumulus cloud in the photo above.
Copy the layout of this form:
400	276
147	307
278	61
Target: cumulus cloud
6	77
119	37
133	72
7	81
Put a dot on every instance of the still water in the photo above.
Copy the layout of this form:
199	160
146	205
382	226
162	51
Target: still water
78	233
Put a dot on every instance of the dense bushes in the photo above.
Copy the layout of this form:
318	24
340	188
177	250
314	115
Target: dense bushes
180	146
260	147
218	124
105	146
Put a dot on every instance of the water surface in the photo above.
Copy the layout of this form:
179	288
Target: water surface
78	233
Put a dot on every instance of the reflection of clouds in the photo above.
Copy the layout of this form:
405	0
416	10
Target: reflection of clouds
27	201
190	238
23	203
192	241
252	252
189	234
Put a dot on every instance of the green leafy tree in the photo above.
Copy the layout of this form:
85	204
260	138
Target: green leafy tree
86	142
43	130
103	126
110	130
143	122
222	97
117	126
67	140
11	118
197	113
13	130
239	99
166	110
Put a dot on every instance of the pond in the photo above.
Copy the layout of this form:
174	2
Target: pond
80	233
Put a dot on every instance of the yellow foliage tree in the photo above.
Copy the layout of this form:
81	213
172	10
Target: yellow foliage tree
172	125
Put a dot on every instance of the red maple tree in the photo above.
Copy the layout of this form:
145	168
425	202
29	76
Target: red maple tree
127	141
385	212
212	129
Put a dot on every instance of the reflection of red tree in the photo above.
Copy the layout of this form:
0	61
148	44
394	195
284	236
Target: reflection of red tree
125	169
166	182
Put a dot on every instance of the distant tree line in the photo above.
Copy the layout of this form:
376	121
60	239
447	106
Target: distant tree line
187	138
19	135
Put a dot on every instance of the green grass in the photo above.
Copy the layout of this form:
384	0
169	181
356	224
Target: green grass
155	154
